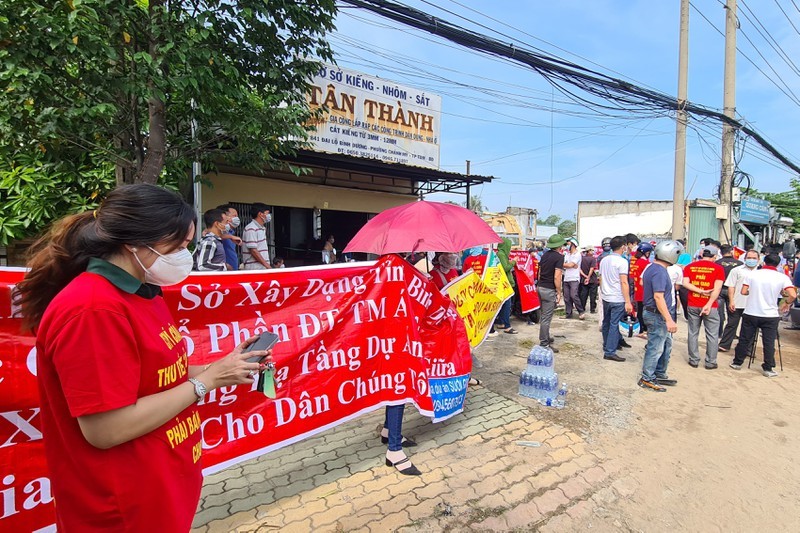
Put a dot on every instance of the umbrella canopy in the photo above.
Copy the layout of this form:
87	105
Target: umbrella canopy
422	227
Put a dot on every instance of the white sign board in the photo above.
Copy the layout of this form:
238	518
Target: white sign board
374	118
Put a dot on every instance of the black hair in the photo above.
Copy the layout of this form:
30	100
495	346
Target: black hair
257	208
725	249
226	207
772	260
137	215
617	242
212	216
630	238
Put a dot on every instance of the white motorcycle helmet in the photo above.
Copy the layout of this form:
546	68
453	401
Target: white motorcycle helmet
668	251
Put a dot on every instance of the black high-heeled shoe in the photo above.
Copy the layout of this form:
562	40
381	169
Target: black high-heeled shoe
406	443
410	471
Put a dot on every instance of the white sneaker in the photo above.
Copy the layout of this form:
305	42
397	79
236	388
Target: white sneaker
770	373
735	366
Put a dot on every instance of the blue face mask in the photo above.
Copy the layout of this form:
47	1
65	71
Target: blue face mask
751	263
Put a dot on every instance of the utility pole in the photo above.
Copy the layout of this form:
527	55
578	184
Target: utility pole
468	190
678	208
729	110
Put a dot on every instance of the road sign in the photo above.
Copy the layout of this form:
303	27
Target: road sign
754	210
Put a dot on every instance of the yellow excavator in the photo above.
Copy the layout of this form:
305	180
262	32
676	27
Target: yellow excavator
507	226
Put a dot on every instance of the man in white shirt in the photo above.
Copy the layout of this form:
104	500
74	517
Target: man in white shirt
763	288
736	300
616	296
256	255
572	279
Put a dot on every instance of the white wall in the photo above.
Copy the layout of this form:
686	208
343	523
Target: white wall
592	229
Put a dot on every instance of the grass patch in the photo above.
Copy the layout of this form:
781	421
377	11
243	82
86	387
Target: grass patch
526	343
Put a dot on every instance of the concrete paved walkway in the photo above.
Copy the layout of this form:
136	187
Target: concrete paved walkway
475	477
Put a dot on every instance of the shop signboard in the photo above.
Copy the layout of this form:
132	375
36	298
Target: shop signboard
754	210
374	118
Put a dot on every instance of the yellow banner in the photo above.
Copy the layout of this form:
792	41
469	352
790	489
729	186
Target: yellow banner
478	302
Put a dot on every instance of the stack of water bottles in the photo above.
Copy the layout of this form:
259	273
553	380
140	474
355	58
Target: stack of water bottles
540	381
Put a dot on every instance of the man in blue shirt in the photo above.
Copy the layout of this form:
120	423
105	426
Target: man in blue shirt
659	313
229	239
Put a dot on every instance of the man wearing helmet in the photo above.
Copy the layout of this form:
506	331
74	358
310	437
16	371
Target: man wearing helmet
637	268
704	280
658	313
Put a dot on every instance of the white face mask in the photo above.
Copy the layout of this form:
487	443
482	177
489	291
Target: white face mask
235	221
168	269
227	227
267	218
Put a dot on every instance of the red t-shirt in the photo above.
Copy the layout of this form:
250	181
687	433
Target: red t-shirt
440	279
637	269
98	349
703	274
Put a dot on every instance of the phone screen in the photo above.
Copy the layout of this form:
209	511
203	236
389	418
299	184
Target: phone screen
265	341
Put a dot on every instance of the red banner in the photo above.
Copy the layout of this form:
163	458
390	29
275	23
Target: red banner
353	338
526	269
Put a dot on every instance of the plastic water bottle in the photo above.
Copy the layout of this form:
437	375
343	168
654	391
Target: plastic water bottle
550	386
528	385
561	400
522	383
548	363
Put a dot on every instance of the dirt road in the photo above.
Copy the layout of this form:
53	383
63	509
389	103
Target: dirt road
715	453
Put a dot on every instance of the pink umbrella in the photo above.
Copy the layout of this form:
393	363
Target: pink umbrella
422	227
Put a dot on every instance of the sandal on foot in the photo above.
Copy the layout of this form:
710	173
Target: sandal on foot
475	381
410	471
511	331
406	443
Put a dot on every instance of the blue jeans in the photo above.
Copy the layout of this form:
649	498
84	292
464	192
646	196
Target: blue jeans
658	348
505	314
394	423
612	314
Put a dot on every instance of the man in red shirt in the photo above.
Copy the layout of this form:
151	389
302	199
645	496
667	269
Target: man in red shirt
703	279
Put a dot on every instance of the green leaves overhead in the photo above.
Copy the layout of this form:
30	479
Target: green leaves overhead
100	64
124	79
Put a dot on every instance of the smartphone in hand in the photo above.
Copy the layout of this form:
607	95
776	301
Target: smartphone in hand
265	341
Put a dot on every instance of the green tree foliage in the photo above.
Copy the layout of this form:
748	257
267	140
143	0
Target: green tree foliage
35	191
149	86
552	220
787	203
566	228
475	205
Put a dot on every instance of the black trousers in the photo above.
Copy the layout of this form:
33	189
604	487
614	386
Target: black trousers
769	332
683	296
588	292
640	317
722	308
730	329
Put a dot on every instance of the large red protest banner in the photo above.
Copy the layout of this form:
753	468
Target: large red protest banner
353	338
525	269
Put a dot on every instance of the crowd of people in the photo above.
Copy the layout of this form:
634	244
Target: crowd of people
101	275
219	248
641	285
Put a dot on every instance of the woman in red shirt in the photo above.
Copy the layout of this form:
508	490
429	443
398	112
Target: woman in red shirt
121	431
444	269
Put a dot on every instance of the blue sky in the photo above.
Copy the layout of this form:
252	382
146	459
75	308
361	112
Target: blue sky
499	115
